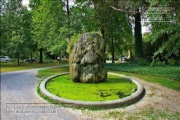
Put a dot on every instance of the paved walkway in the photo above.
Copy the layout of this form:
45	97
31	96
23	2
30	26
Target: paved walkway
19	100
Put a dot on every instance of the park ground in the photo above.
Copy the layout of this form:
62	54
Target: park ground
160	101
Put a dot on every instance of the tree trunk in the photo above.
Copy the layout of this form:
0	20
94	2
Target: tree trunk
67	6
41	55
112	52
103	35
68	13
138	36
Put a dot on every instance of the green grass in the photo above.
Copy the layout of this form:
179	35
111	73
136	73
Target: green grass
44	73
166	82
12	66
163	81
171	72
114	88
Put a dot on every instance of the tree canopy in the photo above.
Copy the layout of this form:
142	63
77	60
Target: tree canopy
51	25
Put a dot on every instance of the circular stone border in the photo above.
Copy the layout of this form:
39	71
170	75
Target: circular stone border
102	104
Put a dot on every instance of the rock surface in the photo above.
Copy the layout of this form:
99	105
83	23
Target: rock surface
86	59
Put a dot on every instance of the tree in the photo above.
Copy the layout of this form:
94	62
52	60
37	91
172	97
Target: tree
82	19
165	32
48	21
115	27
16	20
132	8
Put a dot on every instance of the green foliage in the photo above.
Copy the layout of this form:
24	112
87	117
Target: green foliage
165	35
173	62
71	43
15	28
47	25
141	61
82	19
49	30
162	71
114	26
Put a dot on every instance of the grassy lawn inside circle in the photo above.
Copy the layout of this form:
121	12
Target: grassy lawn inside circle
114	88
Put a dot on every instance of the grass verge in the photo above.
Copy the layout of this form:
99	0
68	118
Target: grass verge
114	88
154	79
12	66
171	72
44	73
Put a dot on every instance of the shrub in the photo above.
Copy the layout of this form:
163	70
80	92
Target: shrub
173	62
141	61
152	64
157	63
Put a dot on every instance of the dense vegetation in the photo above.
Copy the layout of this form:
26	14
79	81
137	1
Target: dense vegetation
171	72
48	27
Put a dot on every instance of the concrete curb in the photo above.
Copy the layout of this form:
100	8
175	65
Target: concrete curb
104	104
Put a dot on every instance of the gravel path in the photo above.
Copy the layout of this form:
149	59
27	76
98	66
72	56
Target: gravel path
19	100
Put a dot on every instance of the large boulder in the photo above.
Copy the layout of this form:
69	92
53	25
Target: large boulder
86	59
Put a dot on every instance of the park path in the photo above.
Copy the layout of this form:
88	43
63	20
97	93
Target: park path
19	100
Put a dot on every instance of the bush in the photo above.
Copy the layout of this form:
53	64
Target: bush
157	64
152	64
173	62
141	61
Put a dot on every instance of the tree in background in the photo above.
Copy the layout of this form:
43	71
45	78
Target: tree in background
114	27
133	9
15	29
165	36
48	25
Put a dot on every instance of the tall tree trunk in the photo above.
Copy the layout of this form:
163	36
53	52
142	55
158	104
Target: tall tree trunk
67	7
41	55
138	36
103	35
68	13
112	52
